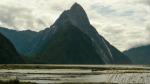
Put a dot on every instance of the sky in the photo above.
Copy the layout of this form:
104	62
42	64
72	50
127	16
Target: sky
124	23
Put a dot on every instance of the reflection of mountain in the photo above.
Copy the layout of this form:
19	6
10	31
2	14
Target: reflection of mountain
70	40
139	55
8	54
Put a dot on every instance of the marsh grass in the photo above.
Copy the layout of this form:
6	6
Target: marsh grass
15	82
89	83
57	66
128	79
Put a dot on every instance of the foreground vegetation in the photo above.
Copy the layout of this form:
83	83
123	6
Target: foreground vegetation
57	66
18	82
14	82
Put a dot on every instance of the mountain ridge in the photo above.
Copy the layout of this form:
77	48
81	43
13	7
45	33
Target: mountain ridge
73	37
139	55
8	53
101	46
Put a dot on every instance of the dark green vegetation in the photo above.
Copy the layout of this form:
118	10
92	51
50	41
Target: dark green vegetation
93	67
139	55
70	40
88	83
8	53
15	82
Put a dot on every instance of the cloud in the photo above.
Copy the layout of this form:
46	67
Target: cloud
148	30
18	18
103	10
8	14
122	22
147	2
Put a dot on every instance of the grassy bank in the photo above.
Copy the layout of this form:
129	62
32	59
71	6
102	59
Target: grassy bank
14	82
57	66
18	82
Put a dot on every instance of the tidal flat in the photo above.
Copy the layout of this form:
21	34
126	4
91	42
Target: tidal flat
76	74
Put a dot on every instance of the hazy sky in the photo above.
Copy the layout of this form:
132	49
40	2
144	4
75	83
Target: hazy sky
124	23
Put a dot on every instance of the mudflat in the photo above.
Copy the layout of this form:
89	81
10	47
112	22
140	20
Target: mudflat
76	74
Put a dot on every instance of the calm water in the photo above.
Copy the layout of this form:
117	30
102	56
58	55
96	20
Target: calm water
130	74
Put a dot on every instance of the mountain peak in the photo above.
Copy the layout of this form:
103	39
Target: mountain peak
78	16
76	6
75	15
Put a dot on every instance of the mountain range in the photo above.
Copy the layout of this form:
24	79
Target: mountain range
8	53
70	40
139	55
21	39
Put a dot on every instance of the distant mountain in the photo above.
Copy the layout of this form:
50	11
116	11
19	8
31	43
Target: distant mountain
23	40
73	40
139	55
26	41
8	54
70	40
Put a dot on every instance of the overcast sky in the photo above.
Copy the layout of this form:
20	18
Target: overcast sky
124	23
